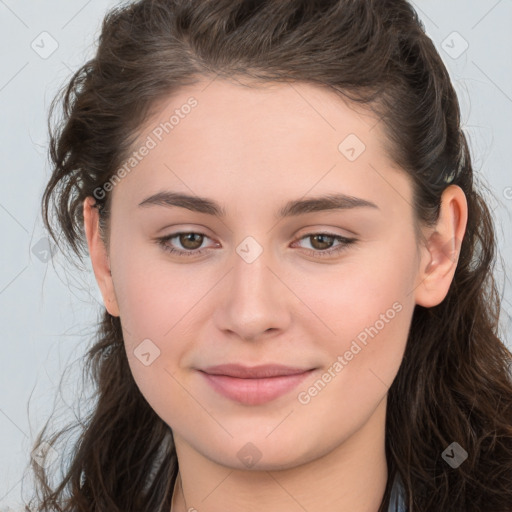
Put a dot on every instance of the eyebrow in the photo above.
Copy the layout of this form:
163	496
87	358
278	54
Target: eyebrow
290	209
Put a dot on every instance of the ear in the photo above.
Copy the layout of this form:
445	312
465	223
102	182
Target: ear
441	253
99	256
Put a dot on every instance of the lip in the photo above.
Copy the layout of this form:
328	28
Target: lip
253	372
254	385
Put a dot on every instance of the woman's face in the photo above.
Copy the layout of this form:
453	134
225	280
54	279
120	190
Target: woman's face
272	284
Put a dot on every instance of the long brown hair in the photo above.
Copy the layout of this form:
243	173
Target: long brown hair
454	384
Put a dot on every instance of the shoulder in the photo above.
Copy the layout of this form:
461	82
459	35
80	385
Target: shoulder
397	501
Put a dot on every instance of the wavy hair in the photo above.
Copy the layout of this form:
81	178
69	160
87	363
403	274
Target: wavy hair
454	383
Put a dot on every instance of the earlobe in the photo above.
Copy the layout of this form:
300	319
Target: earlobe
99	256
441	253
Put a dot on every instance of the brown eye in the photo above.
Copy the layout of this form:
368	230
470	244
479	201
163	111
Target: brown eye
322	241
191	241
322	244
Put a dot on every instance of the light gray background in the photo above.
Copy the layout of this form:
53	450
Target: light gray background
48	310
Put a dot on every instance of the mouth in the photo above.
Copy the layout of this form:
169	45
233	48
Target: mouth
256	385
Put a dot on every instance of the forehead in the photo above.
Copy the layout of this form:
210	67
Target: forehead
261	110
284	137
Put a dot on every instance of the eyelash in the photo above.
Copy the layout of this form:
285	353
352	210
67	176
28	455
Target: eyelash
345	243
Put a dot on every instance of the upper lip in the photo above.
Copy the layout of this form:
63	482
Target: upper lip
253	372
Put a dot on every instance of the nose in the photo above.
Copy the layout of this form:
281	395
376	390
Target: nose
255	302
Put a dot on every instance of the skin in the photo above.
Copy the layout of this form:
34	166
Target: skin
252	150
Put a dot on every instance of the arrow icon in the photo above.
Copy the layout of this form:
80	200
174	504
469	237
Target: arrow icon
44	45
351	147
146	352
454	455
249	252
454	45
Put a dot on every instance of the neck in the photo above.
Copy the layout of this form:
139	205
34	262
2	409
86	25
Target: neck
350	478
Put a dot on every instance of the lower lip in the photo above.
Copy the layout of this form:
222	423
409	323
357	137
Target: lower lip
254	391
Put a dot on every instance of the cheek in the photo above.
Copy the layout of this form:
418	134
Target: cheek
160	306
363	357
155	307
365	309
153	294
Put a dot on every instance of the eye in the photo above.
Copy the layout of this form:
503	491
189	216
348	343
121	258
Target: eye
321	240
192	241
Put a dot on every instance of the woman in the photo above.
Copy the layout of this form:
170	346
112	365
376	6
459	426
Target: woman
300	314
